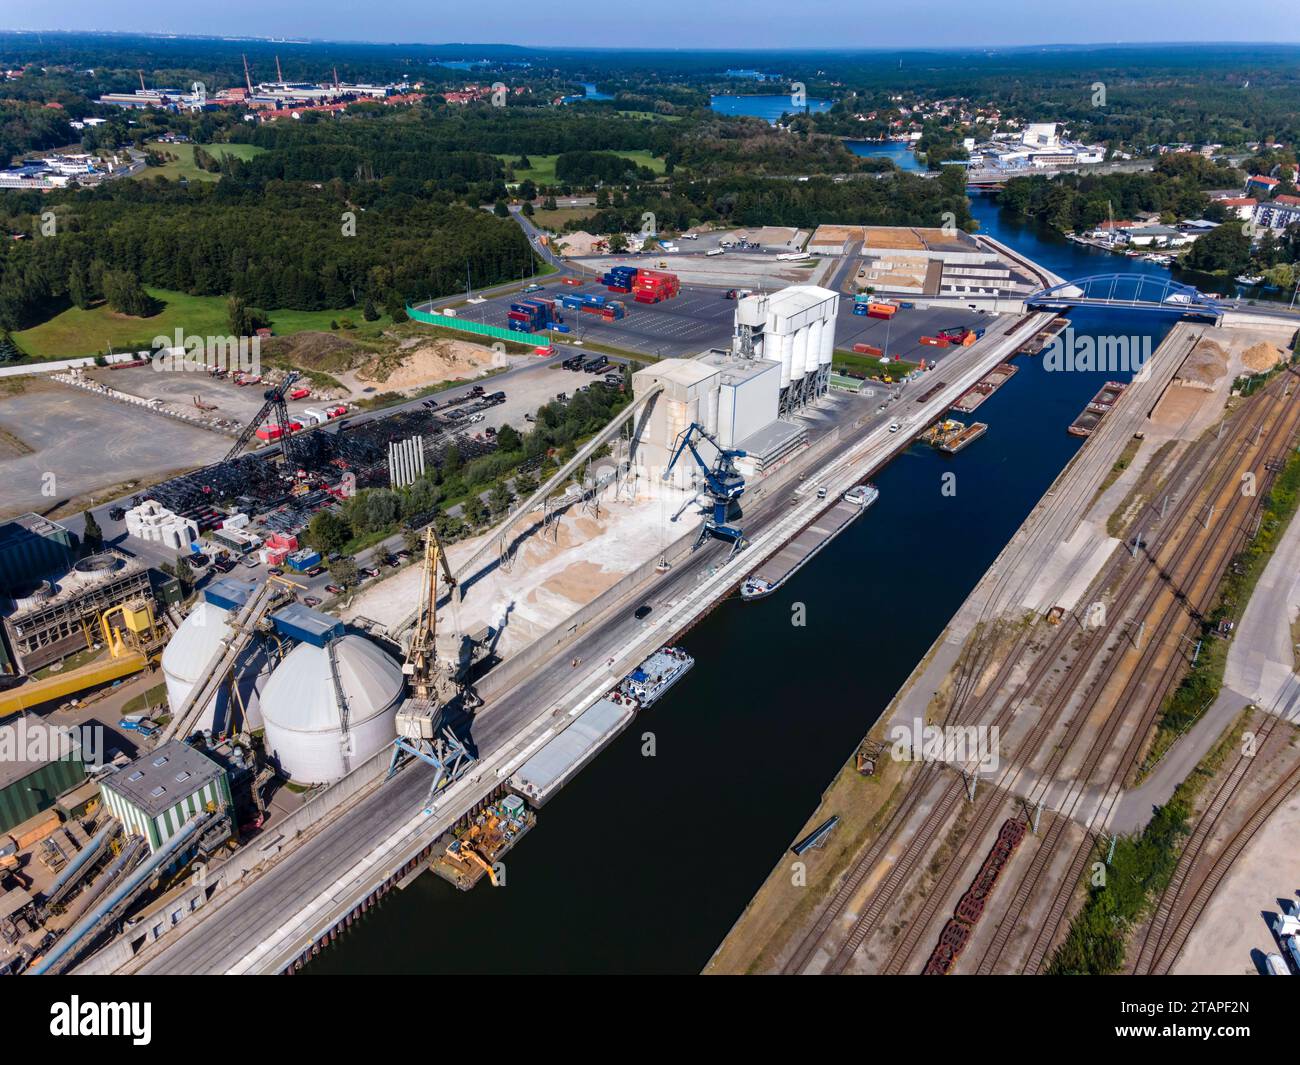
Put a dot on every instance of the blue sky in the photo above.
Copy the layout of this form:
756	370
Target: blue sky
672	23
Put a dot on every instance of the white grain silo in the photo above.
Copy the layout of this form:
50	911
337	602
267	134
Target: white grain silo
328	708
195	646
801	321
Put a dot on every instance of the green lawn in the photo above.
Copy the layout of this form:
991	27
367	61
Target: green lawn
76	332
183	166
542	171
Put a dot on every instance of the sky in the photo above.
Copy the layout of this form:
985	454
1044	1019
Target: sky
661	24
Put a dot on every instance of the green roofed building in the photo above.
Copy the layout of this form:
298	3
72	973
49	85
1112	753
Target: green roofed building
157	793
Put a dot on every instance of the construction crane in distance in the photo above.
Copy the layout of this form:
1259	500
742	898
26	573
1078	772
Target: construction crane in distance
275	404
724	483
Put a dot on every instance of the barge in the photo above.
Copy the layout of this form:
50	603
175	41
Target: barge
994	380
783	565
645	684
475	847
951	436
967	436
1098	407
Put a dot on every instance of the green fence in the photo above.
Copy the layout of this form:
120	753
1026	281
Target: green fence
465	326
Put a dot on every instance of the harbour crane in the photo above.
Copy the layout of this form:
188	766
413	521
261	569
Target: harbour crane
421	730
274	404
724	483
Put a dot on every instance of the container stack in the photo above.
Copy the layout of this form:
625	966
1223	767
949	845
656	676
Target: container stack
653	286
531	315
620	278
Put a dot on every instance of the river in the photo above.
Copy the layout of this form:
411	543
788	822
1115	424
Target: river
643	864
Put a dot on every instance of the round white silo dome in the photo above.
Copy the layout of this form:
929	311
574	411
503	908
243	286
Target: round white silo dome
189	651
303	719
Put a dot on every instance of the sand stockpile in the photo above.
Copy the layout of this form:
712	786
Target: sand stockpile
428	362
1260	357
1207	364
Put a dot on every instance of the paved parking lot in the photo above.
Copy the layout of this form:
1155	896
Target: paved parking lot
701	318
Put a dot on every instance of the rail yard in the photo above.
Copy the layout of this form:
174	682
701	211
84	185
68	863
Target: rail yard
1073	693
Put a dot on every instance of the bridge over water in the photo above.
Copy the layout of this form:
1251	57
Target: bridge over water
1143	292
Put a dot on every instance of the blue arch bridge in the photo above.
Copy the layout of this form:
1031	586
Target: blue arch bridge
1143	292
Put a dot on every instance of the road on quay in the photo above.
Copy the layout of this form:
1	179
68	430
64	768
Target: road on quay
232	934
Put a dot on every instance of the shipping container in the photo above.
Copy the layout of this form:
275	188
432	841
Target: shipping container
867	349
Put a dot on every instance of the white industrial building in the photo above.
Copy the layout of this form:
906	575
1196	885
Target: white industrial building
780	361
331	705
153	522
795	328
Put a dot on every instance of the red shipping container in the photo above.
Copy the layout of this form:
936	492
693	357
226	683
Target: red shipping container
867	349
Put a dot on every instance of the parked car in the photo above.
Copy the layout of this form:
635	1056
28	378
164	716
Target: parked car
277	571
311	600
334	589
642	612
315	571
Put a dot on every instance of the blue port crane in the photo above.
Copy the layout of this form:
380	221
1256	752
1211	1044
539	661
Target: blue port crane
725	484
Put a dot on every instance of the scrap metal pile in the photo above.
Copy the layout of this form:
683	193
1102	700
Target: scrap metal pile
258	484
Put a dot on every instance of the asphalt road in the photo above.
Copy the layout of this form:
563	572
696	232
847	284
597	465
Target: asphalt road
218	943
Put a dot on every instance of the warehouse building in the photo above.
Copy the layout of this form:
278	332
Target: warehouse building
32	547
30	785
155	795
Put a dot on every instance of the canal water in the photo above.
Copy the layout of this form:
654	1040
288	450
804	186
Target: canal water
642	864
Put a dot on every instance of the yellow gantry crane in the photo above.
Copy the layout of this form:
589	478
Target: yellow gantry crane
422	656
421	732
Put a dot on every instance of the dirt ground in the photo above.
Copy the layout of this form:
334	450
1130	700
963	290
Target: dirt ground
419	363
1233	933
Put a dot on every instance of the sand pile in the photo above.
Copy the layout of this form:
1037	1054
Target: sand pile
1207	364
1260	357
429	362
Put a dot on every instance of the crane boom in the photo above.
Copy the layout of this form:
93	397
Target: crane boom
724	482
275	403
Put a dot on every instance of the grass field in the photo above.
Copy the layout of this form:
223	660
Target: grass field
557	218
90	332
542	171
183	166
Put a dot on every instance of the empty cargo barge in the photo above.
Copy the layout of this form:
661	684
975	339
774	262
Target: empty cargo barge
783	565
995	379
1088	420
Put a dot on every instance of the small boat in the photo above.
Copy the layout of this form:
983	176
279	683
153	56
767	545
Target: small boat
1250	279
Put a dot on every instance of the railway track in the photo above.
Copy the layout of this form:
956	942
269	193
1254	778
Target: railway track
995	800
971	665
1209	561
1170	949
1157	951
